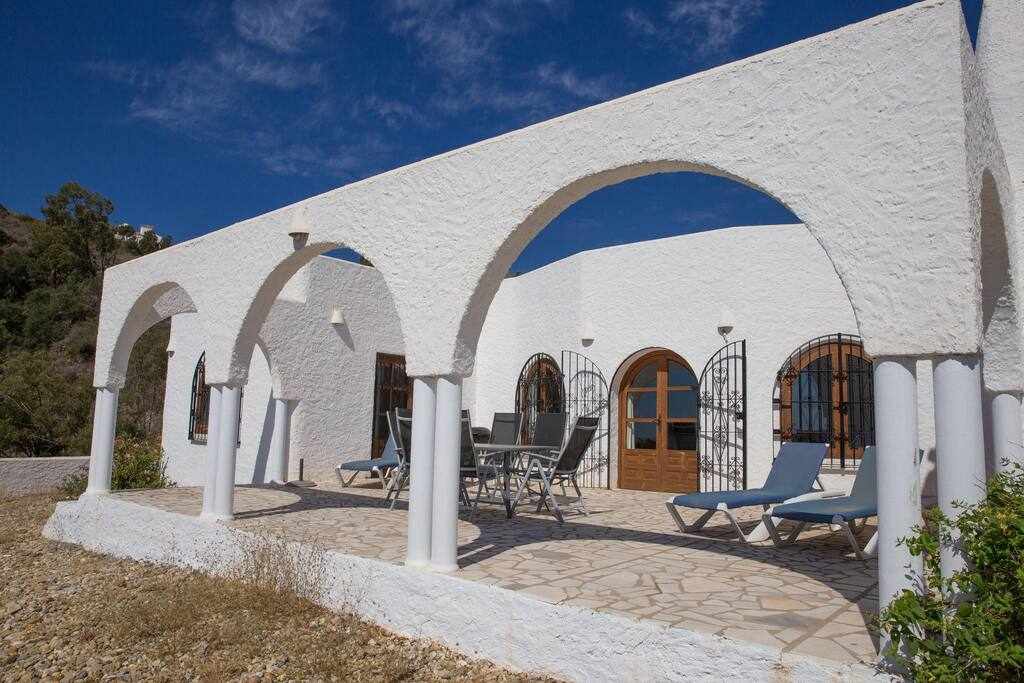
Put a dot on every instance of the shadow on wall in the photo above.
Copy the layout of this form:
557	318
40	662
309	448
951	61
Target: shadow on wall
259	471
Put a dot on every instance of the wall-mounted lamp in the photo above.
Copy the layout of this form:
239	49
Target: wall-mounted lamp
337	316
726	325
299	239
587	334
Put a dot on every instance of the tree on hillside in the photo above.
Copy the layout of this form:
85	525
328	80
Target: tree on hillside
51	277
81	220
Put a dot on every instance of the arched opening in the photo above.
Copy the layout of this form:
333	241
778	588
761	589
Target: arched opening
1001	340
199	404
824	393
327	325
658	425
539	390
660	256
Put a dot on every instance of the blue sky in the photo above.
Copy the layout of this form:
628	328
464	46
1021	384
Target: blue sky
192	117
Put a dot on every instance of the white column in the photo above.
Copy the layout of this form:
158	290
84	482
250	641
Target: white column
421	476
277	468
898	473
959	439
445	527
101	455
1006	429
212	447
224	499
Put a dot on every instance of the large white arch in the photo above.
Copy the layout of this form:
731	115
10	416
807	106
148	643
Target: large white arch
859	131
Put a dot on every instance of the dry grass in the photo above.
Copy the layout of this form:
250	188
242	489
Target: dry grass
69	614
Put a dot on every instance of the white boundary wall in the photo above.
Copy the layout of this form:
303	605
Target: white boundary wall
506	627
774	283
24	476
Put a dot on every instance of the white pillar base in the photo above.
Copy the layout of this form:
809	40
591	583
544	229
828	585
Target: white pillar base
959	440
444	530
101	454
899	482
1006	430
212	448
227	450
280	444
421	477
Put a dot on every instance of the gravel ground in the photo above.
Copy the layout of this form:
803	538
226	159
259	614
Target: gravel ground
69	615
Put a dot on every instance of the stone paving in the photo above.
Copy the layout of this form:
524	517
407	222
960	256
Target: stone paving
625	557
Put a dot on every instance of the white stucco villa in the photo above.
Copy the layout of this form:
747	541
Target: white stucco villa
888	316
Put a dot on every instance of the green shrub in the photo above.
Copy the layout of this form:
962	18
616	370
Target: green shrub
969	626
138	464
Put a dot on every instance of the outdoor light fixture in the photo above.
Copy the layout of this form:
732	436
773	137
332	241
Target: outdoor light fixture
299	239
725	327
337	316
587	334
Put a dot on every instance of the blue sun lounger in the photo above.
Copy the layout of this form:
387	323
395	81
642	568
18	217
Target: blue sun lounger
793	474
842	511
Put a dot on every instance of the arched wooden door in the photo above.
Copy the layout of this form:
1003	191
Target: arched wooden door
658	425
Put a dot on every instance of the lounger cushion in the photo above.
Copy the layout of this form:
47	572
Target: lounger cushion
368	465
822	511
732	499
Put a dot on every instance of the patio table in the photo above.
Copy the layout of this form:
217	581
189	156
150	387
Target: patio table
507	450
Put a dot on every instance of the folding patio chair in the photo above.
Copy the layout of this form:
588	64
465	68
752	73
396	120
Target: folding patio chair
400	424
506	429
843	511
793	475
548	469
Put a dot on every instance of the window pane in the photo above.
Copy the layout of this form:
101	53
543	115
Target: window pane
680	376
682	436
642	404
682	404
648	377
642	435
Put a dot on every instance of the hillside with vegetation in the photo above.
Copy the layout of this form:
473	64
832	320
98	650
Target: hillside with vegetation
51	279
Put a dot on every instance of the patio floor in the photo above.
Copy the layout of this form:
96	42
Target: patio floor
626	557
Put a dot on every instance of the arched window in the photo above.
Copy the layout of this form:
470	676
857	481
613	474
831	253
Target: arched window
824	393
539	391
199	408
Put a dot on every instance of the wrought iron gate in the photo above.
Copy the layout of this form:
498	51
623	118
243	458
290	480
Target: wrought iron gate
539	390
824	393
586	395
722	419
577	388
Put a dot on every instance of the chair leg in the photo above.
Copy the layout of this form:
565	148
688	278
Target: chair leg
722	507
872	547
773	533
345	484
546	484
398	491
579	500
797	530
683	526
848	530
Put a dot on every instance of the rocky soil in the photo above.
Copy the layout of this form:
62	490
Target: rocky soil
71	615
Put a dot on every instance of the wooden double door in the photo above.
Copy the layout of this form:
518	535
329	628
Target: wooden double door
658	425
391	389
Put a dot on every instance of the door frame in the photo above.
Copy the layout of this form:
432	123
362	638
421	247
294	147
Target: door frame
661	390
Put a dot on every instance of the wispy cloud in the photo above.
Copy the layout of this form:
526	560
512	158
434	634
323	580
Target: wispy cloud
281	25
463	43
567	80
219	92
245	64
709	27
